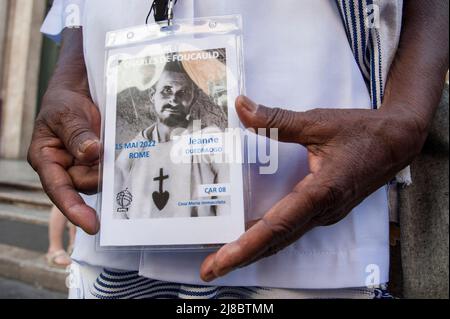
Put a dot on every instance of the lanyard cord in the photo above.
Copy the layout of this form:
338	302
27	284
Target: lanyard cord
162	10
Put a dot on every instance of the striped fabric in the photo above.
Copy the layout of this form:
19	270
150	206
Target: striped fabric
115	284
358	17
360	22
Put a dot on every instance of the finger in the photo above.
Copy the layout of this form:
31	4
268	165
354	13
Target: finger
282	224
76	129
275	248
58	185
207	270
85	178
291	126
212	267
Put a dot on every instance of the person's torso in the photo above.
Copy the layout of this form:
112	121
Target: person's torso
297	56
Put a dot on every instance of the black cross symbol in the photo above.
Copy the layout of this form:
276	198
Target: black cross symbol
161	179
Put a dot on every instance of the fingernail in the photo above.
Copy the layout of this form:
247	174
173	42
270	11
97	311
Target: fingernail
81	217
84	147
248	104
209	277
208	265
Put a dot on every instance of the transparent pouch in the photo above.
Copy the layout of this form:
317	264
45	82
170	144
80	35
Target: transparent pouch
172	175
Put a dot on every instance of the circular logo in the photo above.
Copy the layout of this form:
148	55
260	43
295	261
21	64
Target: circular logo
124	199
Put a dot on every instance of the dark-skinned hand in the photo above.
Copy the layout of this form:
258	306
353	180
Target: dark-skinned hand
351	154
65	152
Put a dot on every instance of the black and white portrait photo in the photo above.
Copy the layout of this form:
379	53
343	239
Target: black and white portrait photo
159	97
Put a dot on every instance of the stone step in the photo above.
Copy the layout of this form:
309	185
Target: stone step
22	184
30	267
24	227
33	198
24	219
18	174
16	290
24	214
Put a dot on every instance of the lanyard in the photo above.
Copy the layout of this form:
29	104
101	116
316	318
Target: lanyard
162	11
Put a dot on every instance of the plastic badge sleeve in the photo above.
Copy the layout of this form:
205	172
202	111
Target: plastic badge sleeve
172	174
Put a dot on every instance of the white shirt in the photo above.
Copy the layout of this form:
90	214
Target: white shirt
297	56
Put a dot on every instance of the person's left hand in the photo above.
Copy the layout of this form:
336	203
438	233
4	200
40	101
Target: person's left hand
351	154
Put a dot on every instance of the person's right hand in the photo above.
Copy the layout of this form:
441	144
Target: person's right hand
65	152
65	148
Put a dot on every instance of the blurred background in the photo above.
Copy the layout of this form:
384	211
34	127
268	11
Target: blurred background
27	60
419	250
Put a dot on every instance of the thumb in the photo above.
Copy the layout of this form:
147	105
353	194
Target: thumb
76	130
289	124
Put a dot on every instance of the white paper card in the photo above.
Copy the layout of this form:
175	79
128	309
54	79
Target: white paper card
171	171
